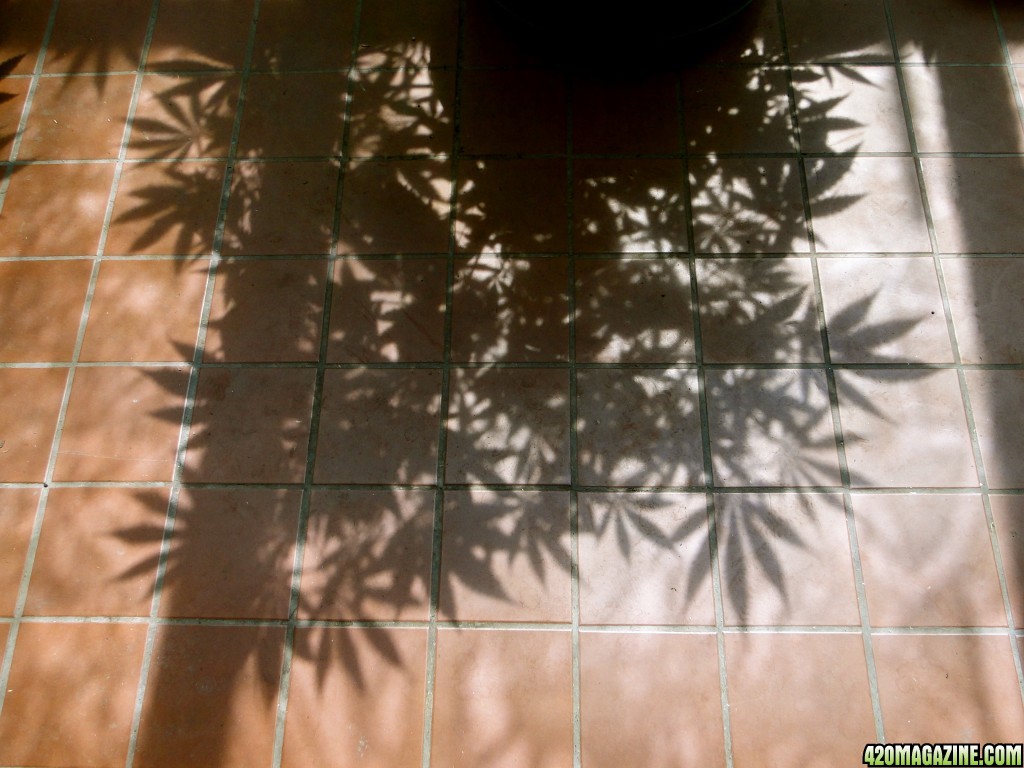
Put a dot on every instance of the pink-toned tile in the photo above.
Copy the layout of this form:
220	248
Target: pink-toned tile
368	556
304	36
737	109
17	513
644	558
194	34
650	700
98	552
490	712
31	399
505	556
946	31
995	400
836	30
314	104
379	426
513	111
96	36
40	309
407	32
184	116
625	115
368	679
1008	512
71	694
986	308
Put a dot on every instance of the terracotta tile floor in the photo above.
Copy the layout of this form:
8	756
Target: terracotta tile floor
380	385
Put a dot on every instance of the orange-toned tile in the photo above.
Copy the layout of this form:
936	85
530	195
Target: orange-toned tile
508	426
193	34
633	311
974	203
644	558
798	699
314	104
40	309
266	311
388	311
95	667
368	556
122	424
512	206
403	112
987	312
995	399
1008	512
145	311
31	399
785	559
935	688
166	209
183	116
231	554
747	205
24	24
488	712
835	30
250	425
905	429
650	700
17	513
927	561
399	206
90	36
12	101
513	111
281	208
505	556
771	427
514	310
308	35
379	426
98	552
758	311
627	115
737	110
368	679
884	311
211	696
38	195
638	428
406	32
946	31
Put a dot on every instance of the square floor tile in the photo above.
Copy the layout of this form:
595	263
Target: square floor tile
946	31
850	109
633	311
508	426
281	208
644	558
487	42
184	116
650	700
512	206
927	561
1008	512
77	118
986	308
758	311
17	514
629	206
304	36
250	425
166	208
231	554
399	206
625	115
747	205
25	22
905	429
379	426
314	104
837	30
368	556
95	667
1011	18
368	679
798	699
958	688
393	34
40	309
995	400
98	552
868	204
488	712
211	696
639	428
974	203
513	111
96	36
771	427
505	556
12	102
510	310
884	311
266	311
145	311
31	399
785	559
122	424
753	38
737	109
193	34
38	195
388	311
